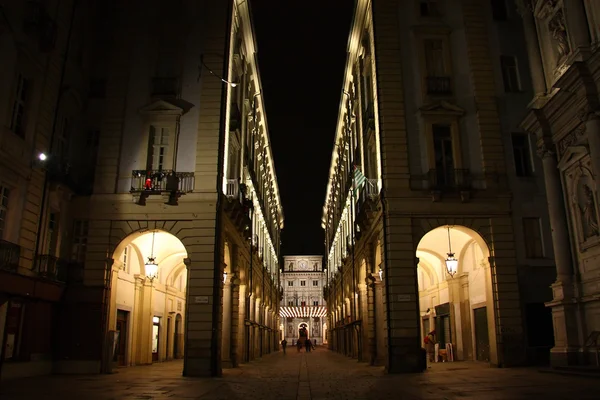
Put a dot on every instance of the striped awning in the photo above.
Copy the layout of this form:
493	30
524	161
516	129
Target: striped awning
303	312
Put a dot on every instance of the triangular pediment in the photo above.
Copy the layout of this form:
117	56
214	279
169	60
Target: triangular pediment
162	107
442	108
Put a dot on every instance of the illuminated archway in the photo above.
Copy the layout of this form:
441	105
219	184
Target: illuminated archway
457	309
147	311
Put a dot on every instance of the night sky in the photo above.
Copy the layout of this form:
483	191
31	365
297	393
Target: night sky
301	56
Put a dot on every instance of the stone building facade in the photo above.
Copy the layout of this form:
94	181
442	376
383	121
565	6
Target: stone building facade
302	303
168	247
563	41
430	170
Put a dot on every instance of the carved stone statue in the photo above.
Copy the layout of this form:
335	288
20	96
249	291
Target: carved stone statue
291	267
589	219
556	26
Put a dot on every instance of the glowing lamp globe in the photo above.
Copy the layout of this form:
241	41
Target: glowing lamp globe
451	264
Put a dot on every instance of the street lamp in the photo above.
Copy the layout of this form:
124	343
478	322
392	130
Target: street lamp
232	84
42	157
451	261
224	276
151	267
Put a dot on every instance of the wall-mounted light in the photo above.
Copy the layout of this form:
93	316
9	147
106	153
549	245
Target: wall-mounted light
232	84
151	267
380	274
42	157
224	276
451	261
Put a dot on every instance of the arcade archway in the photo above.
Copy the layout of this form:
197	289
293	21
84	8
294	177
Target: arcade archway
147	305
456	305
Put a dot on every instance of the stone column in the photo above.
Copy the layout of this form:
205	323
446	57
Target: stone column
538	79
364	326
558	218
136	318
226	332
577	25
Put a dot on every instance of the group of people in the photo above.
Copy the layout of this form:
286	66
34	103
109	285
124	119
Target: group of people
308	344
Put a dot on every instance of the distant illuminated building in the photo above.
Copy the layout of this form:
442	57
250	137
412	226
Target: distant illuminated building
303	305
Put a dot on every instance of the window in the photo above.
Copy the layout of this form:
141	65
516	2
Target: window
429	8
315	283
158	146
434	57
290	283
303	304
510	74
533	238
52	235
126	259
315	303
444	157
302	283
499	11
17	120
62	141
521	153
4	196
291	303
80	236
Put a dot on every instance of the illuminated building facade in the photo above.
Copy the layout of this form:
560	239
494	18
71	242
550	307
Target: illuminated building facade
170	247
435	217
563	42
302	304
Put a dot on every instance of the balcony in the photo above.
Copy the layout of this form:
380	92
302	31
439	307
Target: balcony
439	85
165	86
367	205
51	267
238	207
167	182
10	253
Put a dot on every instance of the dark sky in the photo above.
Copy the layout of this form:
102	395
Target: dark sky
301	56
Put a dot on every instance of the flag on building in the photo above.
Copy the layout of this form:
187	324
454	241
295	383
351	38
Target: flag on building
359	180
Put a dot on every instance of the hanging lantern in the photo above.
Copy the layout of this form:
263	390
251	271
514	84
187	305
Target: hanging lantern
151	267
451	261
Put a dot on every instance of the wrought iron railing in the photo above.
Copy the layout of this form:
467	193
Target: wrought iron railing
52	267
159	181
9	255
439	85
449	179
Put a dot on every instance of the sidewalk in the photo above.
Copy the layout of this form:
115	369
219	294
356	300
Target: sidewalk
318	375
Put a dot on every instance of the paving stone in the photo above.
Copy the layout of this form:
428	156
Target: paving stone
317	375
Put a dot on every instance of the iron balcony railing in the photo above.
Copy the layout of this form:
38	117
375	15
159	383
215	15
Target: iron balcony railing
51	267
449	179
159	181
10	253
439	85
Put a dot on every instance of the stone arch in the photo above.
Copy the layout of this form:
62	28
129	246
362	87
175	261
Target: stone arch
481	226
449	305
148	302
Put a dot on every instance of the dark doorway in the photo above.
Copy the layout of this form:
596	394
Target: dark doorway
122	324
169	329
178	338
155	337
482	338
540	333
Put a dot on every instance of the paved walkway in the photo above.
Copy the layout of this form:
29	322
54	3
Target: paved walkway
318	375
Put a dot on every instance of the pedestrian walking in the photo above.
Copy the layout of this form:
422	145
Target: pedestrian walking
308	345
283	345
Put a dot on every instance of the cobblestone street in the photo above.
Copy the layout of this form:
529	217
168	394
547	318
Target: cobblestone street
320	374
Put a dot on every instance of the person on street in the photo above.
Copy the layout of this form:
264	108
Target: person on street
283	345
